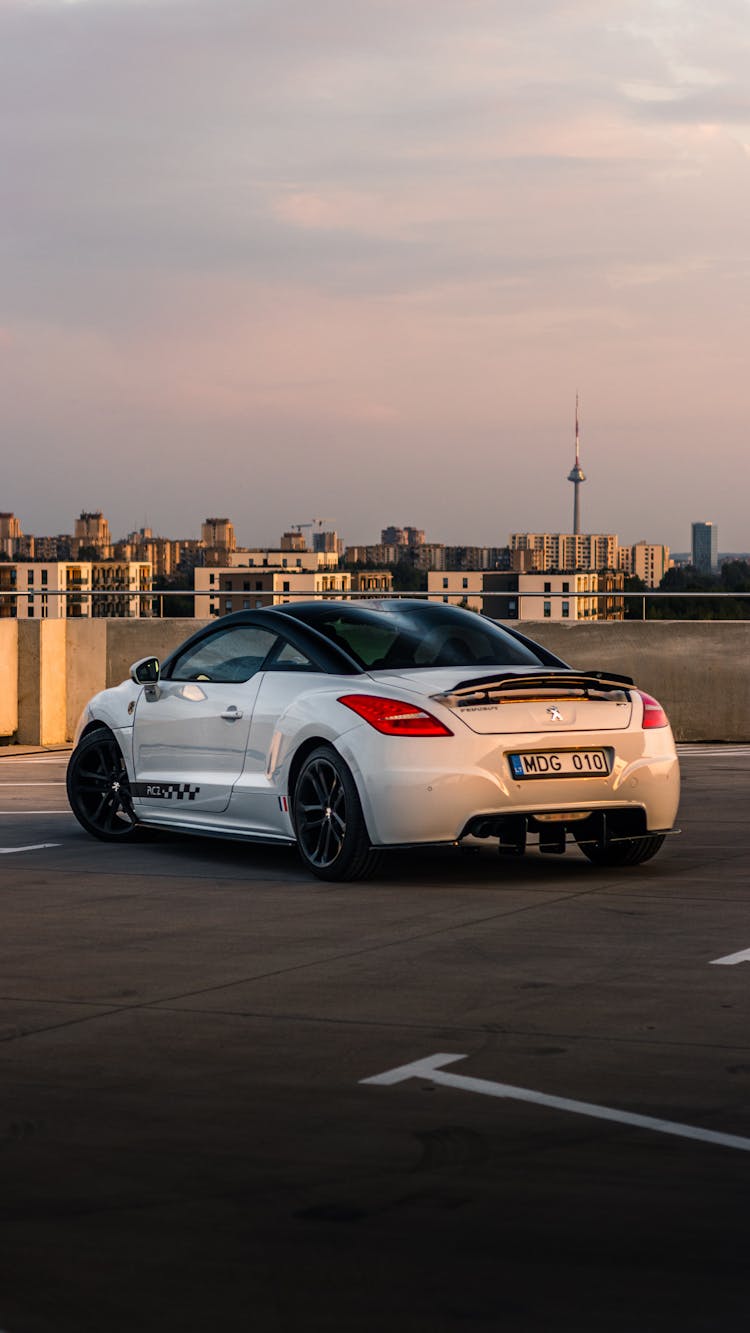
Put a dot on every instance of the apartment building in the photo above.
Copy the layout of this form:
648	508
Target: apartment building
378	554
583	595
92	534
73	589
646	561
219	591
395	536
218	532
564	550
10	534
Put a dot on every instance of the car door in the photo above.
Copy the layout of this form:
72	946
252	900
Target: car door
191	730
257	801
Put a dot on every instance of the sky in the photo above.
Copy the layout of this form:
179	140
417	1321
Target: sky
283	260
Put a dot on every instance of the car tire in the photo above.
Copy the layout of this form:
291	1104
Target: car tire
332	838
629	852
99	788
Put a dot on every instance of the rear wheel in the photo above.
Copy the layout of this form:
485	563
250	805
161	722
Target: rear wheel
629	852
99	788
331	834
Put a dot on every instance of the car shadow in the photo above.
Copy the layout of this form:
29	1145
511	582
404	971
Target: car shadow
471	866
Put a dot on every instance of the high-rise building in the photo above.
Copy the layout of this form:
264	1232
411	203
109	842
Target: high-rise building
10	534
705	547
646	560
219	532
92	533
325	541
563	550
402	536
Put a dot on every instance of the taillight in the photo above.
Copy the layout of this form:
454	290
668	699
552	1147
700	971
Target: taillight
653	713
392	717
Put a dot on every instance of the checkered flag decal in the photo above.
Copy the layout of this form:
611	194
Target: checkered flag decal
187	790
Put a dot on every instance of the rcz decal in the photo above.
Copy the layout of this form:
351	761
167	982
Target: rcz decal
165	791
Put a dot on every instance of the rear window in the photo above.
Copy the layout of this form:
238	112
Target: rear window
422	636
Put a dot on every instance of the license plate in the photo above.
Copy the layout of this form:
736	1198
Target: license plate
560	764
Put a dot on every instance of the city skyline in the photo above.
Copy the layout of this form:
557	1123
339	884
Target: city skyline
260	261
95	525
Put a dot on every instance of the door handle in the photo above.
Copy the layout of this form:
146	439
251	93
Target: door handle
232	713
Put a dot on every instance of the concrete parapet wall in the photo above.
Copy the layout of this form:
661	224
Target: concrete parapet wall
128	640
699	670
8	677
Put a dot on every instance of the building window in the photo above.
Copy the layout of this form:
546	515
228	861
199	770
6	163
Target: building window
44	577
212	578
547	610
29	576
548	587
285	586
566	587
566	610
464	583
445	585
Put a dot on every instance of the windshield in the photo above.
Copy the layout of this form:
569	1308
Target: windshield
397	637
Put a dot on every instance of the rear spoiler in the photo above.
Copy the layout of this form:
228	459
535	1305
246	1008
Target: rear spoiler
484	689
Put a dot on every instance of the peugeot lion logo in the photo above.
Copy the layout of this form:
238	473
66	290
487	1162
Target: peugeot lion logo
554	714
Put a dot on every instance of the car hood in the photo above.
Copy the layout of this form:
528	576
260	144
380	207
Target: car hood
511	700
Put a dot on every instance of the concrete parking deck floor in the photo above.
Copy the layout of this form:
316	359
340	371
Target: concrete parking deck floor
186	1142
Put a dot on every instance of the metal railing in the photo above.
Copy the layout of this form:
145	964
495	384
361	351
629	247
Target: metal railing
82	602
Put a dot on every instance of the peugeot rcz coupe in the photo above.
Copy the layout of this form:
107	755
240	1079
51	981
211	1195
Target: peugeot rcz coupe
347	728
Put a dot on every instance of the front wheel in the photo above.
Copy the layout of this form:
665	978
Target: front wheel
99	789
629	852
331	834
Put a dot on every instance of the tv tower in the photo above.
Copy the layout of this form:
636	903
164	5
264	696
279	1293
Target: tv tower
576	475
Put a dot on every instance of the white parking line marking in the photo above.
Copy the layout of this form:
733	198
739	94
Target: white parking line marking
731	958
32	784
711	751
430	1068
57	757
35	847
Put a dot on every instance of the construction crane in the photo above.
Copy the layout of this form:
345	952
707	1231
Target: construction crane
316	522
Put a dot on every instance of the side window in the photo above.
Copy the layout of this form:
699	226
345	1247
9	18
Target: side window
227	655
289	658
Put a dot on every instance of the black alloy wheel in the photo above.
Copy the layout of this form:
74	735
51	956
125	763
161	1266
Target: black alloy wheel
331	834
99	789
628	852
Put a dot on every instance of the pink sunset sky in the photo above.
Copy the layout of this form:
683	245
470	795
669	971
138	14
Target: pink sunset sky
284	258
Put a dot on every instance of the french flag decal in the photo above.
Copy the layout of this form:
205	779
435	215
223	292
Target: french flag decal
284	804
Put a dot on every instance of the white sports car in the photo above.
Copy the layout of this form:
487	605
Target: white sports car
348	728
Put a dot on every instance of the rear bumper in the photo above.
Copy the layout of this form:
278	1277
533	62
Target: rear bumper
439	790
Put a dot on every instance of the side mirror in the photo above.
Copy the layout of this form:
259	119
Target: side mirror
145	671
